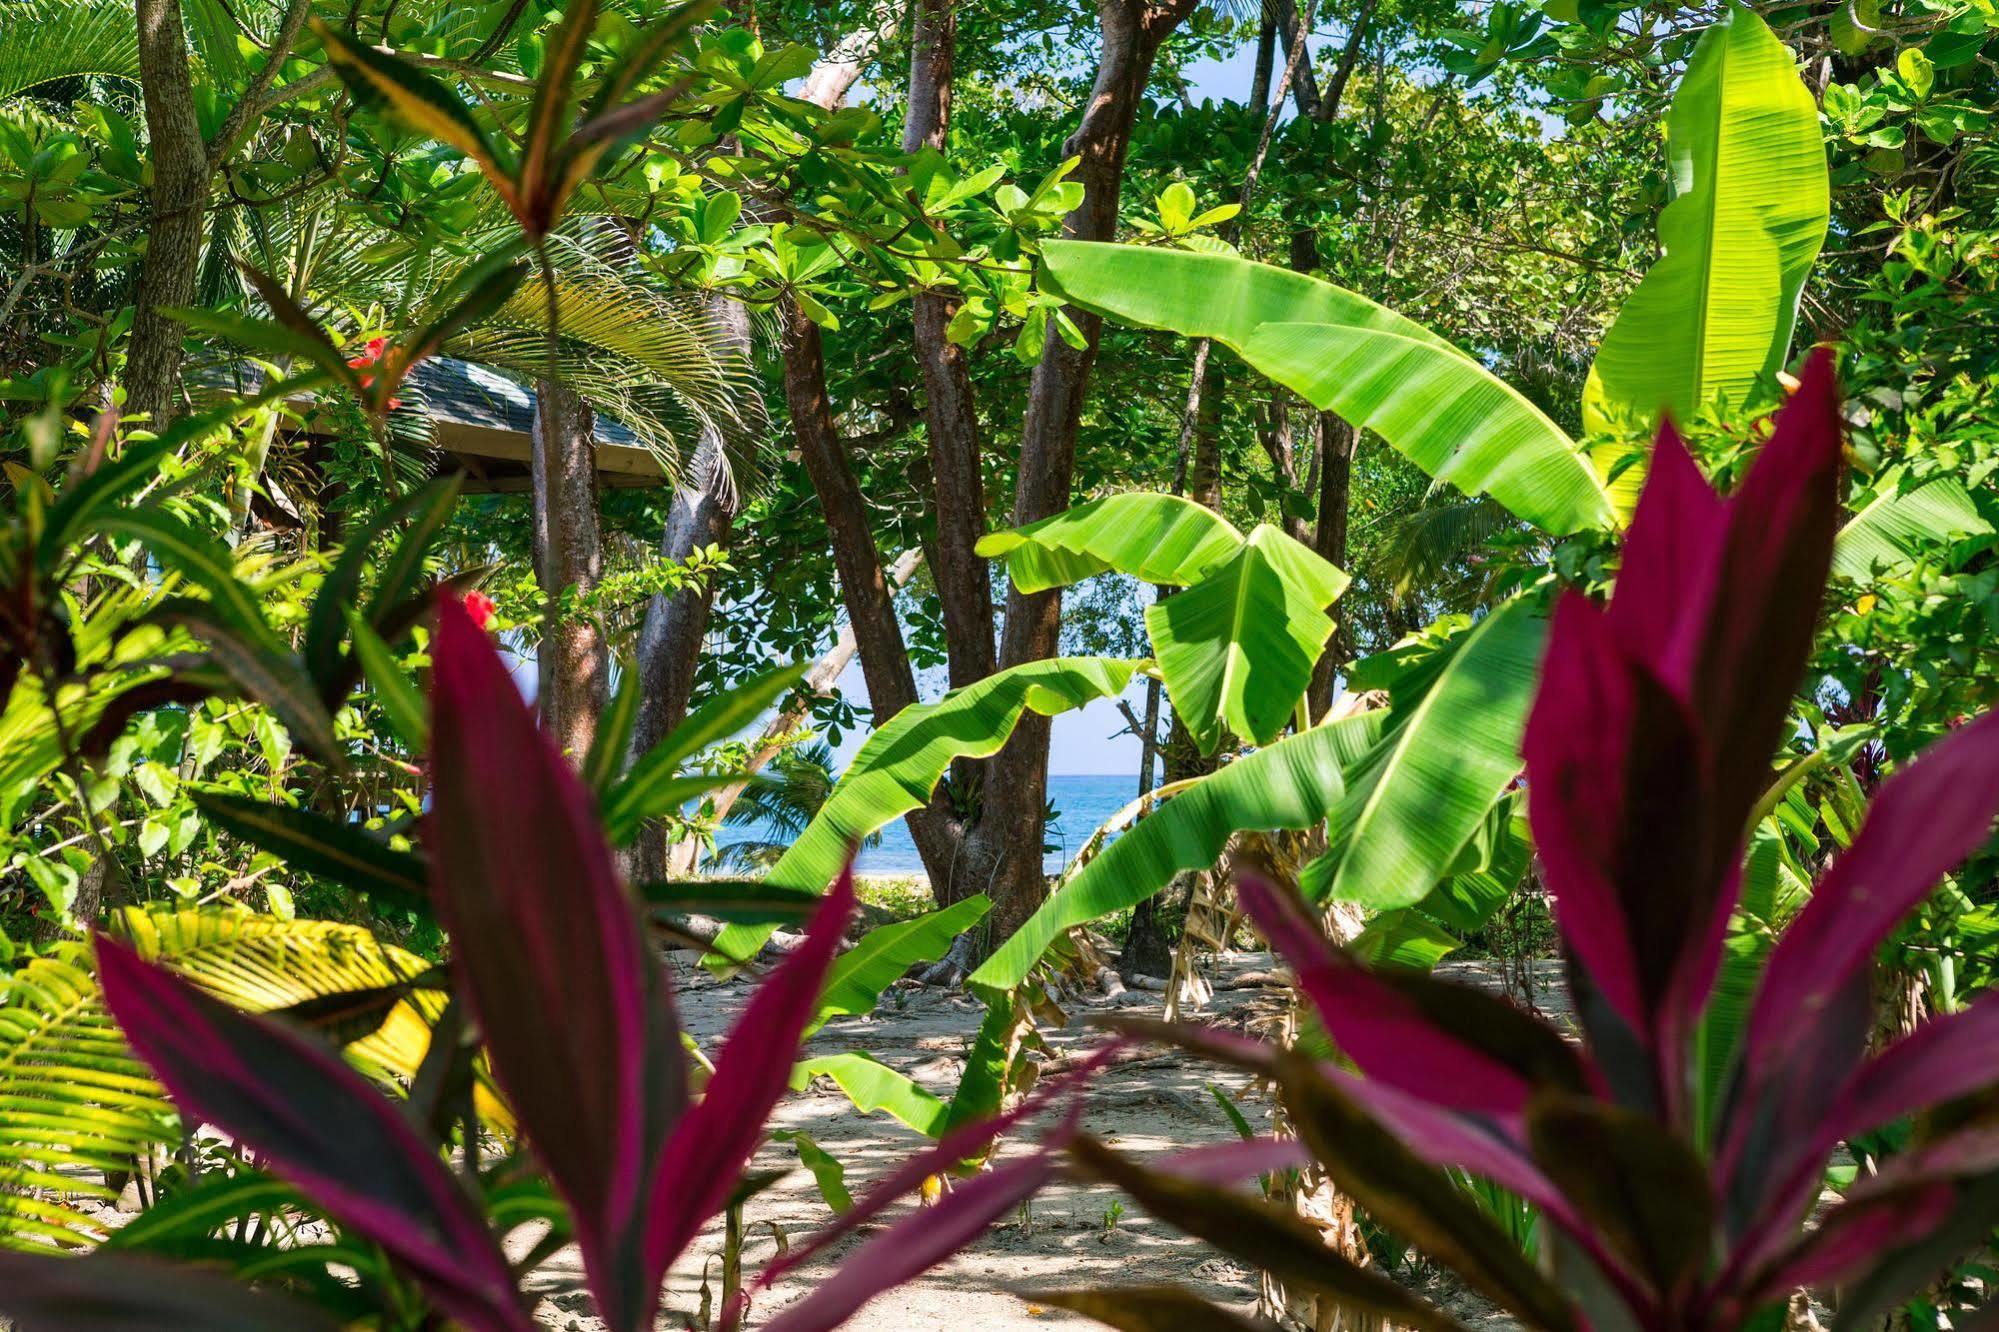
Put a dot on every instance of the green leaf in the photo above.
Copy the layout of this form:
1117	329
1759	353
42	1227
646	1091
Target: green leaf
872	1085
1423	794
401	701
199	558
884	953
1429	400
175	1224
614	733
1294	783
80	502
421	102
827	1173
1159	538
1467	899
268	677
396	580
746	901
653	786
902	762
1404	939
1447	414
1237	649
340	590
1896	526
1749	213
342	852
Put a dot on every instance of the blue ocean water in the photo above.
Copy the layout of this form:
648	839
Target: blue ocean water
1083	802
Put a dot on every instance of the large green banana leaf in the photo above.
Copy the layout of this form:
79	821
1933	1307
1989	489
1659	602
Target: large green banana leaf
1430	784
872	1085
1897	525
1294	783
1236	649
1160	538
900	764
1749	213
884	953
1345	353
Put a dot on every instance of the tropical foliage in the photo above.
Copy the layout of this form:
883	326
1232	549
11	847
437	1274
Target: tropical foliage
501	503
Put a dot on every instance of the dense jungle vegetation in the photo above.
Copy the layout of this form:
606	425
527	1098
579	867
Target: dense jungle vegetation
503	500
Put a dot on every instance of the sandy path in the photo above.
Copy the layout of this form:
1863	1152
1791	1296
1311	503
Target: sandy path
1153	1106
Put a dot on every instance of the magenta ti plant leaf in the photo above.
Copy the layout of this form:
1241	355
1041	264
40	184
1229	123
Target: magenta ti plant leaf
924	1238
1651	735
697	1170
1448	1044
121	1292
318	1124
1650	744
547	952
1811	1016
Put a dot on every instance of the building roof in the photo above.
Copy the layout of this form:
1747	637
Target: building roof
485	422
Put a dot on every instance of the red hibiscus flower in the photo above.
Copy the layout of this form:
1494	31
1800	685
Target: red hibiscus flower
480	607
372	352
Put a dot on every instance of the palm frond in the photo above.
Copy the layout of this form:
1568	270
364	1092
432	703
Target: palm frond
1438	545
776	812
75	1102
653	359
45	40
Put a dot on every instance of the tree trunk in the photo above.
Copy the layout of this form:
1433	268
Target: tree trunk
1005	854
1337	440
173	232
864	589
670	638
1146	950
836	72
951	414
1266	61
573	663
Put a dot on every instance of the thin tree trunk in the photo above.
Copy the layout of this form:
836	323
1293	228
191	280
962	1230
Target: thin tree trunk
864	589
573	662
1266	61
951	414
1146	952
173	232
1337	440
669	649
836	72
870	605
1006	846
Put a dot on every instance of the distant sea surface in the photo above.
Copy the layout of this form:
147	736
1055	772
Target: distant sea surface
1083	803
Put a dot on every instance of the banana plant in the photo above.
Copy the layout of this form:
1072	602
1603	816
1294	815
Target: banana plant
1236	646
1431	401
1648	750
1751	201
1407	789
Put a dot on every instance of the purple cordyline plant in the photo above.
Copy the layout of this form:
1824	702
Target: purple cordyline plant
577	1021
1648	748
